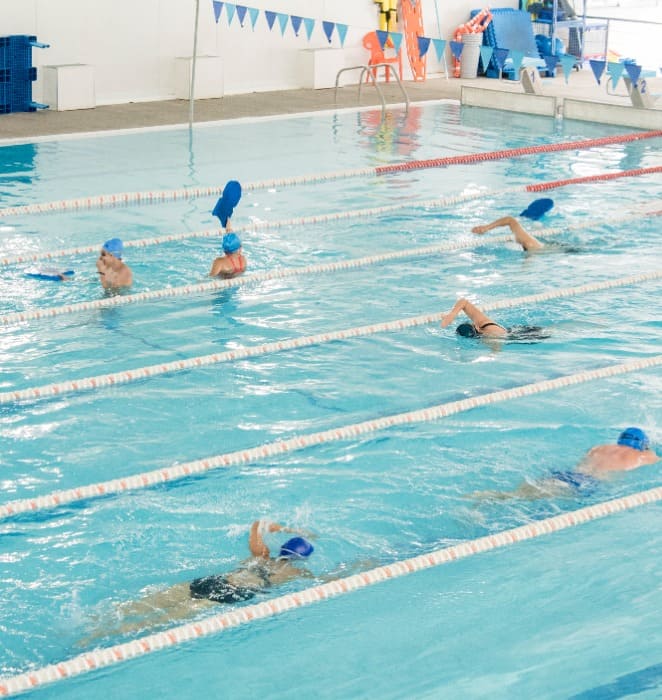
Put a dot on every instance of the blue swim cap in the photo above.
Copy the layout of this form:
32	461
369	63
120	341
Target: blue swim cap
231	243
227	202
114	246
466	330
537	209
296	548
634	437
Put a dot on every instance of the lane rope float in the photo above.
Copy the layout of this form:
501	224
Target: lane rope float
186	193
283	273
299	442
438	203
119	653
131	375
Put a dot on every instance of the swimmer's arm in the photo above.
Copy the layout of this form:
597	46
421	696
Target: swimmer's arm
478	318
256	543
525	239
259	528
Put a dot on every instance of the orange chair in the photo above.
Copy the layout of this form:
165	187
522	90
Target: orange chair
371	42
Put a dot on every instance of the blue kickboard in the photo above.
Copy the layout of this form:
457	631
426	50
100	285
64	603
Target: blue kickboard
509	29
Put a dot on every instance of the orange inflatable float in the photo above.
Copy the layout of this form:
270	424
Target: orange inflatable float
476	25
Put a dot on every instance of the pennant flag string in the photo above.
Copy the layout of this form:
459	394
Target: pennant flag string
633	71
328	28
309	24
486	56
296	24
440	47
282	20
423	45
341	30
382	36
615	70
598	68
395	38
456	48
271	18
254	13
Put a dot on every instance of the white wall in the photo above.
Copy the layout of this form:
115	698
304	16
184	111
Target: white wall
132	44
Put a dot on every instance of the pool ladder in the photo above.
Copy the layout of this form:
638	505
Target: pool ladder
371	71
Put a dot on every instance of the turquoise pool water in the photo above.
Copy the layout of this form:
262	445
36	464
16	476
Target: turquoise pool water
563	615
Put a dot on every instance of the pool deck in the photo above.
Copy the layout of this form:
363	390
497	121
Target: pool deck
581	85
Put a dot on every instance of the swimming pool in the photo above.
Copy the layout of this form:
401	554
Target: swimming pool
559	616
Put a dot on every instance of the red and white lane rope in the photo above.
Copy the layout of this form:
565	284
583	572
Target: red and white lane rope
104	657
186	193
283	223
131	375
283	273
337	216
299	442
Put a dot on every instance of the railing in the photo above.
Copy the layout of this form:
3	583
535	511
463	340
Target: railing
371	71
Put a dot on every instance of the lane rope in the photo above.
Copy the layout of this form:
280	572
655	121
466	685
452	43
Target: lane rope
299	442
119	653
186	193
131	375
336	216
283	273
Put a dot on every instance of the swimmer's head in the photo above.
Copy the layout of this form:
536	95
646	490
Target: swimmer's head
537	209
231	243
634	437
296	548
466	330
114	246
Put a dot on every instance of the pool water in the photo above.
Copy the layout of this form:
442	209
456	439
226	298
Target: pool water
564	615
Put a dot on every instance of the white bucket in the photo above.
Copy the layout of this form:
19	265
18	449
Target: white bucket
470	55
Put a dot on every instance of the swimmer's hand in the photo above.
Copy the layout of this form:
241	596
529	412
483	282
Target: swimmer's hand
266	526
446	320
480	229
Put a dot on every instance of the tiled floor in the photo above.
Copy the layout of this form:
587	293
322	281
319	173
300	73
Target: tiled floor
580	85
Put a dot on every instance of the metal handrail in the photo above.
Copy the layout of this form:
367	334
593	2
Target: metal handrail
370	70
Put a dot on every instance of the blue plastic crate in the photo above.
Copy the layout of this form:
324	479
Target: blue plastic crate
17	73
4	52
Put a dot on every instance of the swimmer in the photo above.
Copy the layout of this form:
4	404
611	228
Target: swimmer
226	203
259	572
631	451
484	327
113	273
525	239
536	210
481	324
231	264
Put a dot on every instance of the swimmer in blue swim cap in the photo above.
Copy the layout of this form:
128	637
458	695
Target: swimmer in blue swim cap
233	262
113	272
631	451
258	573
